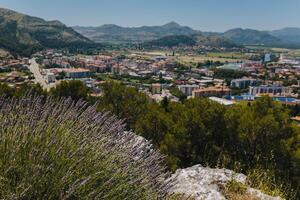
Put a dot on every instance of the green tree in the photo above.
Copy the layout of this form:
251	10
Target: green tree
126	102
74	89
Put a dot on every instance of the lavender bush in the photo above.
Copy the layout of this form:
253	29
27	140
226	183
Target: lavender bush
66	150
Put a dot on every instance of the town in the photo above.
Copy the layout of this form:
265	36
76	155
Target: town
164	75
149	100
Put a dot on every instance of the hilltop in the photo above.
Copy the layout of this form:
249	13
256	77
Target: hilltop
23	34
192	40
251	37
111	33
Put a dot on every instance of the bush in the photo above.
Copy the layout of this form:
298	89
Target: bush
65	150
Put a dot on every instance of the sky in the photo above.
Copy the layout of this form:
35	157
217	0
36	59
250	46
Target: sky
204	15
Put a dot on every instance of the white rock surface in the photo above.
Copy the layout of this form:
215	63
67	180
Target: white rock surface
202	183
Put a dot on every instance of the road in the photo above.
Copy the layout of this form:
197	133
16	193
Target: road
35	69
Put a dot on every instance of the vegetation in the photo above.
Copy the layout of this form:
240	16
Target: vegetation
74	89
229	74
245	137
121	35
22	34
192	40
66	150
200	131
251	37
172	41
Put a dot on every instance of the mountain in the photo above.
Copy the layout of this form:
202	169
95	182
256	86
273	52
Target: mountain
110	33
190	40
251	37
23	34
289	35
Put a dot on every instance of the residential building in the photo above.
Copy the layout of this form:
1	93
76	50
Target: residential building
211	91
77	73
187	89
156	88
244	83
270	90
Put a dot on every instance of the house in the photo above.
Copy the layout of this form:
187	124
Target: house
156	88
211	91
270	90
77	73
50	77
244	83
187	89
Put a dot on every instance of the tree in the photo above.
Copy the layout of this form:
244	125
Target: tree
126	102
74	89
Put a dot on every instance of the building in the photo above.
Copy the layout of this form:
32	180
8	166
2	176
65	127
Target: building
244	83
50	77
156	88
211	91
77	73
270	90
188	89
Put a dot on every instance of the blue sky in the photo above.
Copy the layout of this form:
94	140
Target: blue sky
206	15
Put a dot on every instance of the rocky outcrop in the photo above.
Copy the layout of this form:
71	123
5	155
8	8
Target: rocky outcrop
204	183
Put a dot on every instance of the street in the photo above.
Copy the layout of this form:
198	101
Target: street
34	68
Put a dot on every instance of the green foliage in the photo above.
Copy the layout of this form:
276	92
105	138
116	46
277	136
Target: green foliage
266	181
177	93
74	89
242	137
7	91
126	103
22	34
229	73
66	150
172	41
236	187
190	40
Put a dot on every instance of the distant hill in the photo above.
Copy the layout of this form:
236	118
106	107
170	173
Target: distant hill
289	35
251	37
116	34
23	34
192	40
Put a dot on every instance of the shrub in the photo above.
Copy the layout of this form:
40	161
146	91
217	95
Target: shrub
66	150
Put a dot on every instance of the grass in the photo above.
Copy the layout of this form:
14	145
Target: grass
294	53
66	150
234	190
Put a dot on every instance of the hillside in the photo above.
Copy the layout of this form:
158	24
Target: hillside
251	37
23	34
194	40
110	33
116	34
290	35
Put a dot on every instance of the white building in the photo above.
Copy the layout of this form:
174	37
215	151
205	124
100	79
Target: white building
244	83
270	90
188	89
50	77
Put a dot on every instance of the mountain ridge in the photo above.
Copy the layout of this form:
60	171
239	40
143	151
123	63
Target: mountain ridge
242	36
118	34
24	34
192	40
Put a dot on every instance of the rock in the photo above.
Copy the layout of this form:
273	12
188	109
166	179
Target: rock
203	183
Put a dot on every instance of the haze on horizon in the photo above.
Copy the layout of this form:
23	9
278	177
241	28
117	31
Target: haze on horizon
204	15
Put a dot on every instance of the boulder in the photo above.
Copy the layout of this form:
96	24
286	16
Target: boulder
204	183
